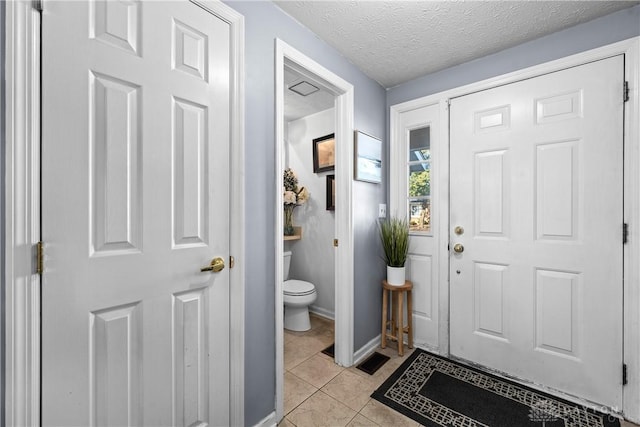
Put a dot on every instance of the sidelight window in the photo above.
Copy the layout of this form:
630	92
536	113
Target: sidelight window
419	179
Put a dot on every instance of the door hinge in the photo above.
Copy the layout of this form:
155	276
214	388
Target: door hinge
39	258
625	91
624	374
232	261
37	5
625	233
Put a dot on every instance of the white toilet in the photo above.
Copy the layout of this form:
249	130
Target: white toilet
298	296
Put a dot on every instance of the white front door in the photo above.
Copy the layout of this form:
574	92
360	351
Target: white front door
415	186
537	186
135	201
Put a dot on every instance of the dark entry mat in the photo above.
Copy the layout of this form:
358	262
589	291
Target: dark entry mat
436	391
330	351
373	363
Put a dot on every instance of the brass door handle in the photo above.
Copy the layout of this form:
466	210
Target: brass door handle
458	248
217	265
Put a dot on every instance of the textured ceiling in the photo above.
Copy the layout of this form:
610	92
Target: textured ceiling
396	41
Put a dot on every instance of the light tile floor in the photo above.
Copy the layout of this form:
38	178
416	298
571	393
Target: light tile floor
318	392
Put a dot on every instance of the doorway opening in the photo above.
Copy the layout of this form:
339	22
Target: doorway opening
291	62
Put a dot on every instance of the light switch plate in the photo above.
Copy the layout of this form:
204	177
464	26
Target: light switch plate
382	210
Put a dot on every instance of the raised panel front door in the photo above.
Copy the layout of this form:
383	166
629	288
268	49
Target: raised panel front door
537	185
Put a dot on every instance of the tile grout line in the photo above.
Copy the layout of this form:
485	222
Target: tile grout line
304	381
365	417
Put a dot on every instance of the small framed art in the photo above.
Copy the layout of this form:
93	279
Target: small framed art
368	158
331	192
324	153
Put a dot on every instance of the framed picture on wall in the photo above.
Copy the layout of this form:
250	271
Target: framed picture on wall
331	192
368	158
324	153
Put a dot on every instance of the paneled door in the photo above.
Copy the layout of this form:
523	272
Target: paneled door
135	202
536	265
415	185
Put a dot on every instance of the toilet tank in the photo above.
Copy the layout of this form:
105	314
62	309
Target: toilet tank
287	264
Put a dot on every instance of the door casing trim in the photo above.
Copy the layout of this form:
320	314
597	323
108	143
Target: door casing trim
22	212
631	272
344	274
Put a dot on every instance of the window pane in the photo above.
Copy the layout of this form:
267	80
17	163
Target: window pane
420	215
420	144
419	180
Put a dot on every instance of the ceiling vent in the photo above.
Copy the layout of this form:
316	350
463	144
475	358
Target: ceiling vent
304	88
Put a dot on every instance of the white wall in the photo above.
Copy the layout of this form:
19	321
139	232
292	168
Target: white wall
313	255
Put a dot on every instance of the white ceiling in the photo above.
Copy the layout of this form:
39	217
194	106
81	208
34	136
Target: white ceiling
396	41
297	106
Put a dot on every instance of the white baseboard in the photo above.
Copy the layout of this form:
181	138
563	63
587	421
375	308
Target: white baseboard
366	349
268	421
322	312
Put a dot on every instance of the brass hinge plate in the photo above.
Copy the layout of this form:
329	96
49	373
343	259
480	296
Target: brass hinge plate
625	233
39	258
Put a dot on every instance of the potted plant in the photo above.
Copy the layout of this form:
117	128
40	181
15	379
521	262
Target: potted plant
394	235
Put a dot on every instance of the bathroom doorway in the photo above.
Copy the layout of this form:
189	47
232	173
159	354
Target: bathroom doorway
331	114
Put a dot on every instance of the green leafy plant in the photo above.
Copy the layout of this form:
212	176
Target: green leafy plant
394	234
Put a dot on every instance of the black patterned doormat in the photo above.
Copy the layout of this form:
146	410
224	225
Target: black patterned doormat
435	392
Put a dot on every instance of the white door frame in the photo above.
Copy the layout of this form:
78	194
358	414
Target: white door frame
631	293
343	91
22	212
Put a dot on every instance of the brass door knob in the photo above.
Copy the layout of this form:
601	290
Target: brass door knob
458	230
217	265
458	248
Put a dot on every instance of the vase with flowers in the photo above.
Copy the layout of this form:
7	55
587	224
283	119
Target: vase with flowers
294	196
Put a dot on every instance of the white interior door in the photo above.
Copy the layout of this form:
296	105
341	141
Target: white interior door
135	202
537	185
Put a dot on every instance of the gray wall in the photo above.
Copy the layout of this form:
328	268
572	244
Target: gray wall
609	29
264	23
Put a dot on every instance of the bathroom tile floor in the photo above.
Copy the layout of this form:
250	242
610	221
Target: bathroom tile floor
317	392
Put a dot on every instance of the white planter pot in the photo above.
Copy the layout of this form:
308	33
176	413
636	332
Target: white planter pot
395	276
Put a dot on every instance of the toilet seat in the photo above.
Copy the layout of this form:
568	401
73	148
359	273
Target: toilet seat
298	288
